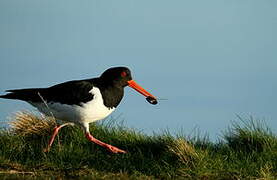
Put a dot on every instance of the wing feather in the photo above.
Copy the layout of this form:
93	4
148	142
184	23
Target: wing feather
72	92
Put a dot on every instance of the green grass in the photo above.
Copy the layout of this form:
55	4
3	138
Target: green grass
246	151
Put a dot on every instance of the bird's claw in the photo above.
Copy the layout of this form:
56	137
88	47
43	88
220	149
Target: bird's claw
46	150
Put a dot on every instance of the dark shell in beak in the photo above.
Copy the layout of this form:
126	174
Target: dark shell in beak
152	100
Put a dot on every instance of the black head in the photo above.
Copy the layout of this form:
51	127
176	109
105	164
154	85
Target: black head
118	76
121	77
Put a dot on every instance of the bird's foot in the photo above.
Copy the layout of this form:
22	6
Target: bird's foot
46	150
114	149
109	147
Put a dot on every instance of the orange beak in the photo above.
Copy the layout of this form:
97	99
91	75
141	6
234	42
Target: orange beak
149	97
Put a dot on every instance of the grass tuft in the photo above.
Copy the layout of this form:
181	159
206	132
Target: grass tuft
25	123
185	152
251	136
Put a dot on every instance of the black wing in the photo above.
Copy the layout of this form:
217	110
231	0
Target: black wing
72	92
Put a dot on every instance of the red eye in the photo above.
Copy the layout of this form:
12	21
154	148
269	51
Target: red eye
123	74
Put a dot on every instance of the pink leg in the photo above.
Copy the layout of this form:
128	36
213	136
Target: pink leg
111	148
56	130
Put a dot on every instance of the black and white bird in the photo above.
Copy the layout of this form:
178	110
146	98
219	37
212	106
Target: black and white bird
81	102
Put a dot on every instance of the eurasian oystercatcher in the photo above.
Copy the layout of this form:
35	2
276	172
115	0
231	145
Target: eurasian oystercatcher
82	101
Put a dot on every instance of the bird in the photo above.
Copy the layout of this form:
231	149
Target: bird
81	102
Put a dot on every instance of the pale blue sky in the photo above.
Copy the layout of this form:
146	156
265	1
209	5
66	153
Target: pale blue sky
210	59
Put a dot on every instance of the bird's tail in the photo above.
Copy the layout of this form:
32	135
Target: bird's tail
10	95
21	94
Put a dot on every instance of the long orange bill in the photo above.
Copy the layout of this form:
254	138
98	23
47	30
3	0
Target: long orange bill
149	97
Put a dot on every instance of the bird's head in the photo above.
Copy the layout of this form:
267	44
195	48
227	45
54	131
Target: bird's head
121	77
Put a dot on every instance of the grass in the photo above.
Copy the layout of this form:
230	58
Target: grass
247	150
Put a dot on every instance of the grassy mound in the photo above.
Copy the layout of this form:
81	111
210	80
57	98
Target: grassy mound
246	151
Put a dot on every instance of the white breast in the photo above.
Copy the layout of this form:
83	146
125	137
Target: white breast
95	109
88	112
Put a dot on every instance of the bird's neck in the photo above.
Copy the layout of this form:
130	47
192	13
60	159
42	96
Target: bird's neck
111	94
